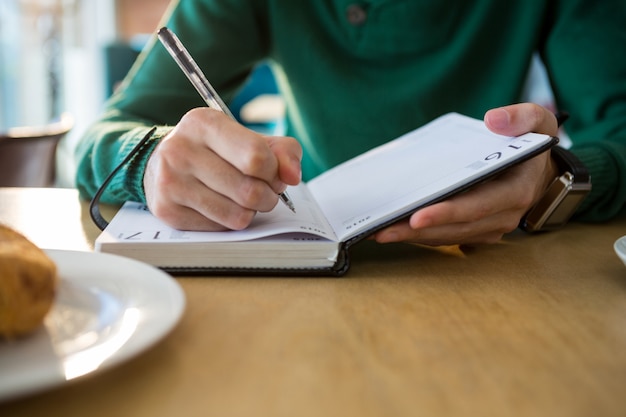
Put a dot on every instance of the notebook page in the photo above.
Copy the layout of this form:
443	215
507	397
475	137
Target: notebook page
412	170
134	223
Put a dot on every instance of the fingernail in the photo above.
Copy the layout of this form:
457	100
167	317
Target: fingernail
499	118
298	164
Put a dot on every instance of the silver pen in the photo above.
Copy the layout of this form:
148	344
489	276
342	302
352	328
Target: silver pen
189	67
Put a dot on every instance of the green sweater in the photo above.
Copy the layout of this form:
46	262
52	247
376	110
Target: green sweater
355	78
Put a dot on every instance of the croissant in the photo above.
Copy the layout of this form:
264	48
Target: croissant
28	283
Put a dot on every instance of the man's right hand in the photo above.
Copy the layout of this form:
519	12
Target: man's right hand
211	173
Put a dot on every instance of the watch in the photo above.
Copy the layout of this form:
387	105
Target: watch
562	197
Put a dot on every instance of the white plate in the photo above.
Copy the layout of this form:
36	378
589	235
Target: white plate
620	248
108	309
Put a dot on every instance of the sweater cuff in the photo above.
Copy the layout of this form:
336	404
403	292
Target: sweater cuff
602	202
133	180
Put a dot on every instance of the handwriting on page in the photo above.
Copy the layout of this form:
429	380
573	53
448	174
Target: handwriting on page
152	235
137	236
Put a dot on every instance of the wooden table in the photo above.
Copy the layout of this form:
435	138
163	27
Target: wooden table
534	326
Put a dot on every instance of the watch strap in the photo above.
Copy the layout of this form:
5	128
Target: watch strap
568	162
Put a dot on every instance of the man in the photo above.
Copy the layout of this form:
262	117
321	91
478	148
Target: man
354	76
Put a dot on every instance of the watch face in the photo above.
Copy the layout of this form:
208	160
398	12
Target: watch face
557	205
562	197
564	211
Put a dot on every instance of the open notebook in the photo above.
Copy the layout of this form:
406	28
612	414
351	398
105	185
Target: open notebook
334	210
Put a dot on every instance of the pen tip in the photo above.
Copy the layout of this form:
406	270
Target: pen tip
285	199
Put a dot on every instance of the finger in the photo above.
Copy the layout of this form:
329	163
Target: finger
486	231
214	207
185	218
189	205
245	149
224	179
176	195
194	161
288	153
521	118
479	203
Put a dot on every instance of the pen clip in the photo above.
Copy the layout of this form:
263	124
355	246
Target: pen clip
561	117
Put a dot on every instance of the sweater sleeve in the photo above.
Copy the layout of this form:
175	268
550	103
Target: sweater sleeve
226	39
587	67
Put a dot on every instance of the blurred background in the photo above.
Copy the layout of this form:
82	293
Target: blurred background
64	57
61	59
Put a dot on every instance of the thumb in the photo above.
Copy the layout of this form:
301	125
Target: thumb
521	118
